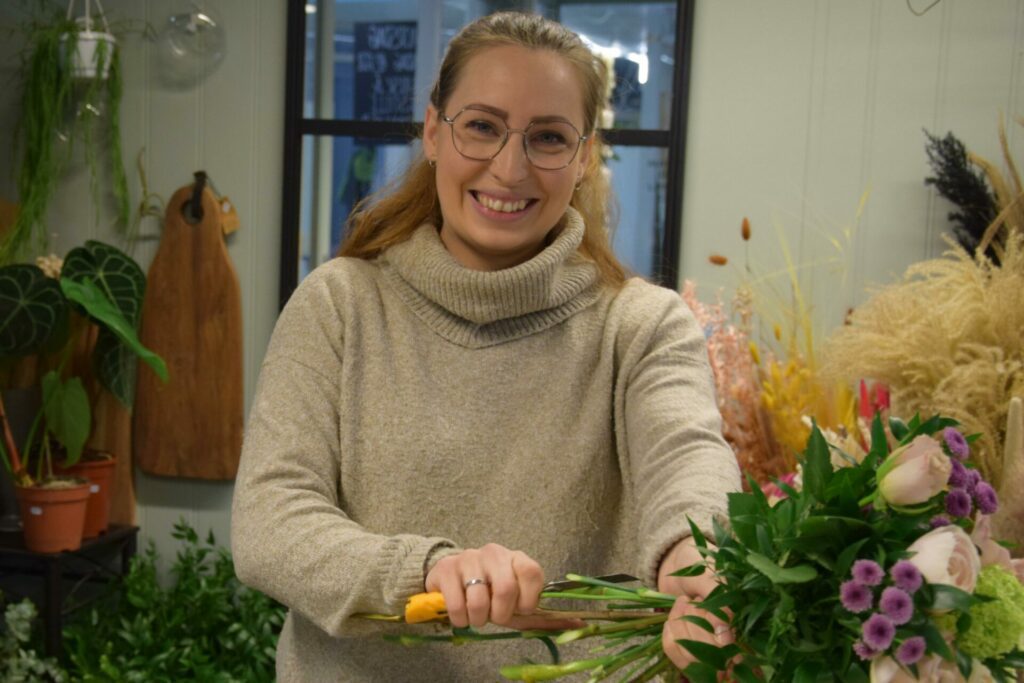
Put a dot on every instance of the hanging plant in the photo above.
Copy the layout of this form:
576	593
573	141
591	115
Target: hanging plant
71	80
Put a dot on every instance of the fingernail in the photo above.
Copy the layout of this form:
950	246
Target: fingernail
720	629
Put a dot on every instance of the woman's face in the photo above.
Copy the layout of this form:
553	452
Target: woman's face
520	85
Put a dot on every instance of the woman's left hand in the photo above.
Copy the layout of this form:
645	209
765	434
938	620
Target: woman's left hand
690	589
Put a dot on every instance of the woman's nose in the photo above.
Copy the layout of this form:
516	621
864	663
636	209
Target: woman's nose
511	164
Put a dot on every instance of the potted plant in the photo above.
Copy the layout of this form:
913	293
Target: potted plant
71	94
90	301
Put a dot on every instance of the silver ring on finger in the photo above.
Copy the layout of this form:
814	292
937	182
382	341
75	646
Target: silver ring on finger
475	582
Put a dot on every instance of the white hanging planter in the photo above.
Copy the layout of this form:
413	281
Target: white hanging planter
87	60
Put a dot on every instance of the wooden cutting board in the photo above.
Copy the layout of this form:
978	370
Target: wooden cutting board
191	316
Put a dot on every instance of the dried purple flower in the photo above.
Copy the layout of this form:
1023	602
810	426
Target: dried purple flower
897	605
958	475
878	631
906	575
855	596
863	651
868	572
985	498
939	520
911	650
956	443
958	503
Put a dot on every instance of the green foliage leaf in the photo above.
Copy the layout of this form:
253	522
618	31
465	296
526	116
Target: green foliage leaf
948	597
98	306
32	309
799	574
692	570
817	465
67	413
717	656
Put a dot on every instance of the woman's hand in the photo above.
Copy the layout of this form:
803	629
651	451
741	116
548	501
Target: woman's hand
689	589
494	585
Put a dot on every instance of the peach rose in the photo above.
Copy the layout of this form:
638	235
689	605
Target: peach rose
915	472
947	555
991	552
931	669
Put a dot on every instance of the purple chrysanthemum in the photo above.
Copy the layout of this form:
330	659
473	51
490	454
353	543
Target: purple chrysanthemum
906	576
911	650
958	503
868	572
878	631
897	605
958	475
855	596
863	651
985	498
973	479
939	520
956	443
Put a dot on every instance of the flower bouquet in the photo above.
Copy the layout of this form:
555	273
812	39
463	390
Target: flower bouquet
882	569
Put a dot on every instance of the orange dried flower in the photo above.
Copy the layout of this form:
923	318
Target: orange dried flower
718	260
745	229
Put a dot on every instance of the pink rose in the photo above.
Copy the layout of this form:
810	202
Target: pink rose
947	555
915	472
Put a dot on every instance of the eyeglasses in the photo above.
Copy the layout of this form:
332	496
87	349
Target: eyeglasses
480	135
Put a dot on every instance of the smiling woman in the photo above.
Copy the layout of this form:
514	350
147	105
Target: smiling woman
368	70
475	352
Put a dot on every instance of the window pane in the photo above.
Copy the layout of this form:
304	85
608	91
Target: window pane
638	183
337	173
376	60
340	171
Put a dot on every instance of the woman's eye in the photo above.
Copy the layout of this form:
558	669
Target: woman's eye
548	139
481	127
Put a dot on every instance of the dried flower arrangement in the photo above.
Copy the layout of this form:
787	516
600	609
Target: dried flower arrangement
949	337
768	385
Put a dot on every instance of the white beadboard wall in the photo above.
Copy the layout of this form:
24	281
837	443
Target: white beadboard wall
797	108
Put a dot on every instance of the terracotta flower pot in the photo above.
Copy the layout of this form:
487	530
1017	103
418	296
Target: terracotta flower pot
99	472
53	518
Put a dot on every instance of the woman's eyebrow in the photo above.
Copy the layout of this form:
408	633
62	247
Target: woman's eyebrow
504	114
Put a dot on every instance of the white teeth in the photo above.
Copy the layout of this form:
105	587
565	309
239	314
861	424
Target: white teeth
504	207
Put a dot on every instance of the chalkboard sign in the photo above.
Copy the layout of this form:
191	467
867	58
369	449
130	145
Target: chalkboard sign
385	65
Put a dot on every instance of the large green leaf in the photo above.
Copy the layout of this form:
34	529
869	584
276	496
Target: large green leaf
109	285
67	413
32	310
116	274
99	307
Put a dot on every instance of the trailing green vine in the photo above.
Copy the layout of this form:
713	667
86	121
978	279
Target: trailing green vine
58	108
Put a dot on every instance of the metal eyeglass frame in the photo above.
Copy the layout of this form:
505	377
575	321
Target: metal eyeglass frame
508	133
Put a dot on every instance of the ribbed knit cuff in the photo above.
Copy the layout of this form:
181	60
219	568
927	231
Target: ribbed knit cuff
407	571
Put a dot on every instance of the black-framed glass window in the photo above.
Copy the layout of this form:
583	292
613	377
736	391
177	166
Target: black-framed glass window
358	80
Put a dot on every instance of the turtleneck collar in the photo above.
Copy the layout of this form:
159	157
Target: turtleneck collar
478	308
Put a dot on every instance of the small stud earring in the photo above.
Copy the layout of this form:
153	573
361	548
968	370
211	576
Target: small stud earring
432	163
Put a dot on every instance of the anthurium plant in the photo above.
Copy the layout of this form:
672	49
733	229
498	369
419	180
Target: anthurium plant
44	318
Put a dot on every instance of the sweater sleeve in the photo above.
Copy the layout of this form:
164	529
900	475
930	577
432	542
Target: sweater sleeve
291	538
679	465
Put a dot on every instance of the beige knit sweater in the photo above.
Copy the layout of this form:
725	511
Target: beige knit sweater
408	407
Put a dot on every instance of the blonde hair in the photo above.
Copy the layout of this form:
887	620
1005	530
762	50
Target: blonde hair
393	214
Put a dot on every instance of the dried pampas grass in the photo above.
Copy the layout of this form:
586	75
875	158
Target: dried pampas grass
949	338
